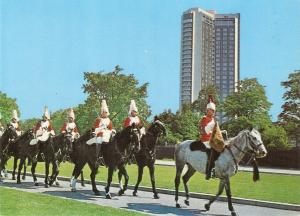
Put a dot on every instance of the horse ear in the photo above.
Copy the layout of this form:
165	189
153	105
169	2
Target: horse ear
156	118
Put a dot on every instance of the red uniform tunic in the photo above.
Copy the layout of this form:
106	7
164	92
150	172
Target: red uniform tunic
73	127
103	123
206	126
130	120
40	124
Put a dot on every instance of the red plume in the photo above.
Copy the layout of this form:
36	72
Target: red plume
210	99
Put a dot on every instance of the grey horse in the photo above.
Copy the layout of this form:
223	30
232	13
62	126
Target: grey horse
225	166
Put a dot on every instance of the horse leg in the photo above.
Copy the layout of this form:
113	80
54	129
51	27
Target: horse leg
109	180
46	173
179	168
14	169
228	193
140	176
33	166
76	172
82	179
221	189
123	172
20	170
190	172
94	170
55	171
24	173
152	178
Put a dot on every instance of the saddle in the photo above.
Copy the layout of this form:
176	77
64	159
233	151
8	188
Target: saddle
198	146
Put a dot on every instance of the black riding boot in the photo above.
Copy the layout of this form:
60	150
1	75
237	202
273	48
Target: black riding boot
210	163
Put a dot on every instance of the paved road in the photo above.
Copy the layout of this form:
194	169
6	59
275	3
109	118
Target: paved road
245	168
144	202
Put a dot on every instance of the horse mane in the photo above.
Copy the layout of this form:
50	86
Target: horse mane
233	140
85	136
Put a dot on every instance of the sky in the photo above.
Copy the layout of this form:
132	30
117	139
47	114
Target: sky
47	45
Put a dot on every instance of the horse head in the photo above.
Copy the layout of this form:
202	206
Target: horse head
255	143
134	138
68	142
157	128
12	132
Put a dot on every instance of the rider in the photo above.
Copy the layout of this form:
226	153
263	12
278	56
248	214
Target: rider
103	128
206	126
15	122
133	118
42	130
70	126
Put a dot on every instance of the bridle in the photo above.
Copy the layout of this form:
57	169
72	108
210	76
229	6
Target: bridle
251	151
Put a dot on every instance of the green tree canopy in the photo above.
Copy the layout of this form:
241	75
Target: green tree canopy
7	105
290	115
249	108
117	89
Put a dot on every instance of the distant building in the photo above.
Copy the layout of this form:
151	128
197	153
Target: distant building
209	53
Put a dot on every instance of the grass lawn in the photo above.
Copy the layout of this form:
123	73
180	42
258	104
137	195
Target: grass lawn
271	187
15	202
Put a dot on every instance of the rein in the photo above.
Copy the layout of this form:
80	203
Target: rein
251	160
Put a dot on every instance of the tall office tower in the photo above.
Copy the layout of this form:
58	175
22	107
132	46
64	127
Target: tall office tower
209	53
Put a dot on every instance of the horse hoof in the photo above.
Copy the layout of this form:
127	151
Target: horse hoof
46	186
13	178
178	205
187	202
156	196
206	206
82	184
134	193
23	177
36	184
121	192
18	181
73	189
233	213
108	196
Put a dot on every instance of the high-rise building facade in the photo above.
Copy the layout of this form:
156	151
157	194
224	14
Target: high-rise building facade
209	53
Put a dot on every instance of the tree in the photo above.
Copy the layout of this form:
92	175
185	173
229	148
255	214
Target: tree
28	124
117	89
180	126
7	105
290	116
249	108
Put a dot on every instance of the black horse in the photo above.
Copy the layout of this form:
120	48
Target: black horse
63	147
41	152
147	155
8	134
15	150
118	153
113	158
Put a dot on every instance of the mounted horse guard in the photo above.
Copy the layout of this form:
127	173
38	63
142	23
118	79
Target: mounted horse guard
11	141
70	127
147	155
15	122
133	118
9	133
43	130
103	130
246	142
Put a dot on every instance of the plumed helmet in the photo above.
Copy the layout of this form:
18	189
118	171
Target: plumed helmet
132	107
211	104
104	107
